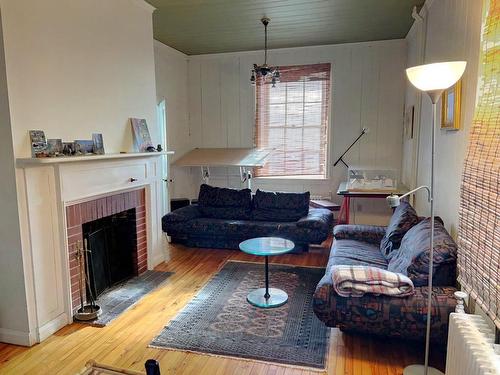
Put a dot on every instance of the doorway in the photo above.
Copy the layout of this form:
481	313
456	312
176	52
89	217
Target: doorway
161	115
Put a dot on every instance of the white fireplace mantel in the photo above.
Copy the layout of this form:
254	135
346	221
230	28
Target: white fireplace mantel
46	187
24	162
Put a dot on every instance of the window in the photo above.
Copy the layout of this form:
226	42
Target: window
292	118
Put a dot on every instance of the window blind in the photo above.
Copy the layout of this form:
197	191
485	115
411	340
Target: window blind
479	223
292	118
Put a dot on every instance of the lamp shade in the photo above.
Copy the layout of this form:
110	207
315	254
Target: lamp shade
438	76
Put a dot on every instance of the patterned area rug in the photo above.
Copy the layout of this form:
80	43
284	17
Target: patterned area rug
220	321
116	300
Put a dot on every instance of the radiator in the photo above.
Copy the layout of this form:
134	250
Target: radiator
471	347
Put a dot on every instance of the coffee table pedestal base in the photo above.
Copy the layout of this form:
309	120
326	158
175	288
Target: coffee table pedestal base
277	298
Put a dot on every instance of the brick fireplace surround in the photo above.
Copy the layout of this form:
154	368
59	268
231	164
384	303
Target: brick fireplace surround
81	213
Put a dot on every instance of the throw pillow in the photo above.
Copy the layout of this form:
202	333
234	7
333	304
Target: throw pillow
412	258
277	206
403	218
224	203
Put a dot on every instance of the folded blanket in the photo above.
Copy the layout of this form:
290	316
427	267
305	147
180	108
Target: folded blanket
355	281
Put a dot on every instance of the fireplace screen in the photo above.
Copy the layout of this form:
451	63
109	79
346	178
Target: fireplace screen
112	242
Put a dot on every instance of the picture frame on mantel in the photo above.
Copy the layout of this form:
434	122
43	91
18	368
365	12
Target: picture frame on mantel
451	107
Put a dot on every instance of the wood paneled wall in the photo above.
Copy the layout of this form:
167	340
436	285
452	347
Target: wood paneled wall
450	30
368	91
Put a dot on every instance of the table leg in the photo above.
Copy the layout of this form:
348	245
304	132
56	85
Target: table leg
267	295
344	211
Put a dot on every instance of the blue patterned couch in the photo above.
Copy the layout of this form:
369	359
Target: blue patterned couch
225	217
401	247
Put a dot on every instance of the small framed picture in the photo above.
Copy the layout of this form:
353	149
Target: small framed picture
84	147
68	148
98	143
141	134
54	147
39	148
451	106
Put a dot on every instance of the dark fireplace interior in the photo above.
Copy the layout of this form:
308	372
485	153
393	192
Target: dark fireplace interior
112	241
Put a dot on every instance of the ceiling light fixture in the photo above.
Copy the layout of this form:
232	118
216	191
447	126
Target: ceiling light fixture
265	72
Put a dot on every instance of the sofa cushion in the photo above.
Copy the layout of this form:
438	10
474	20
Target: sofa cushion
360	232
403	218
317	218
412	258
182	214
245	229
276	206
224	203
356	253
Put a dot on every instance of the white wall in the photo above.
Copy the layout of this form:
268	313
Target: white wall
77	67
13	308
450	31
72	68
368	88
171	85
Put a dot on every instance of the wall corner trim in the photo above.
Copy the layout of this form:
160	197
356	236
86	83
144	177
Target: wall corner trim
144	5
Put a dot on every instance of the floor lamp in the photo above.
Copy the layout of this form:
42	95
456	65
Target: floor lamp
432	79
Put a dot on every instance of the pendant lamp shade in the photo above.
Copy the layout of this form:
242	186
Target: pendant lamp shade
437	76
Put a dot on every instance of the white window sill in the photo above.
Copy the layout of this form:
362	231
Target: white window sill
300	177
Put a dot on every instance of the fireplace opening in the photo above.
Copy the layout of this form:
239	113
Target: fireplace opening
112	241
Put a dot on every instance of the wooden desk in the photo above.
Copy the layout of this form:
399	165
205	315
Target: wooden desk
347	195
324	203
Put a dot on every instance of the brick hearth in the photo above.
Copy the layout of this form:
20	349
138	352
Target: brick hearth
82	213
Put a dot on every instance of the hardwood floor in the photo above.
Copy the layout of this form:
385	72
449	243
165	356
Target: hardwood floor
124	342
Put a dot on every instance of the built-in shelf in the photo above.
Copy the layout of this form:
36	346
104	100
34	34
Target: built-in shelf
24	162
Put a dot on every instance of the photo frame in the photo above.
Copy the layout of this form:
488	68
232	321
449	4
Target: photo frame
39	148
141	134
84	147
98	143
451	107
55	146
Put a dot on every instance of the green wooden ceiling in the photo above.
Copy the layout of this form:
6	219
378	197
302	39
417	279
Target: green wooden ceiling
212	26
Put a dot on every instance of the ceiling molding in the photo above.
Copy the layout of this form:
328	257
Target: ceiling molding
208	56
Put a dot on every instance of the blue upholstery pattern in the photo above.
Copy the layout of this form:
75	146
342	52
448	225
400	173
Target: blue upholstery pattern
352	252
385	315
412	258
276	206
218	222
224	203
182	214
403	218
367	233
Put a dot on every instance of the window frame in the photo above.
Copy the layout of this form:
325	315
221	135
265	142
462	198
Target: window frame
328	143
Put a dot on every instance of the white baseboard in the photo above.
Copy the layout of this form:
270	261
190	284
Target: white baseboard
15	337
53	326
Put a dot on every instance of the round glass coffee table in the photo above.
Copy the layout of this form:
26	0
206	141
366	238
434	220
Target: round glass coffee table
266	246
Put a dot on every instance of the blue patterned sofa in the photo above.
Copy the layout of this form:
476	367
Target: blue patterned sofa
401	247
225	217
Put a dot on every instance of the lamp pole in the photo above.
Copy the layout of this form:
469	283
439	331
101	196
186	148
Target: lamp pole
432	79
434	99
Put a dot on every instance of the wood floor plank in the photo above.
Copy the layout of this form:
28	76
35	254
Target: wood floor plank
124	342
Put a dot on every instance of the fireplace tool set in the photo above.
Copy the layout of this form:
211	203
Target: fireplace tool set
90	310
